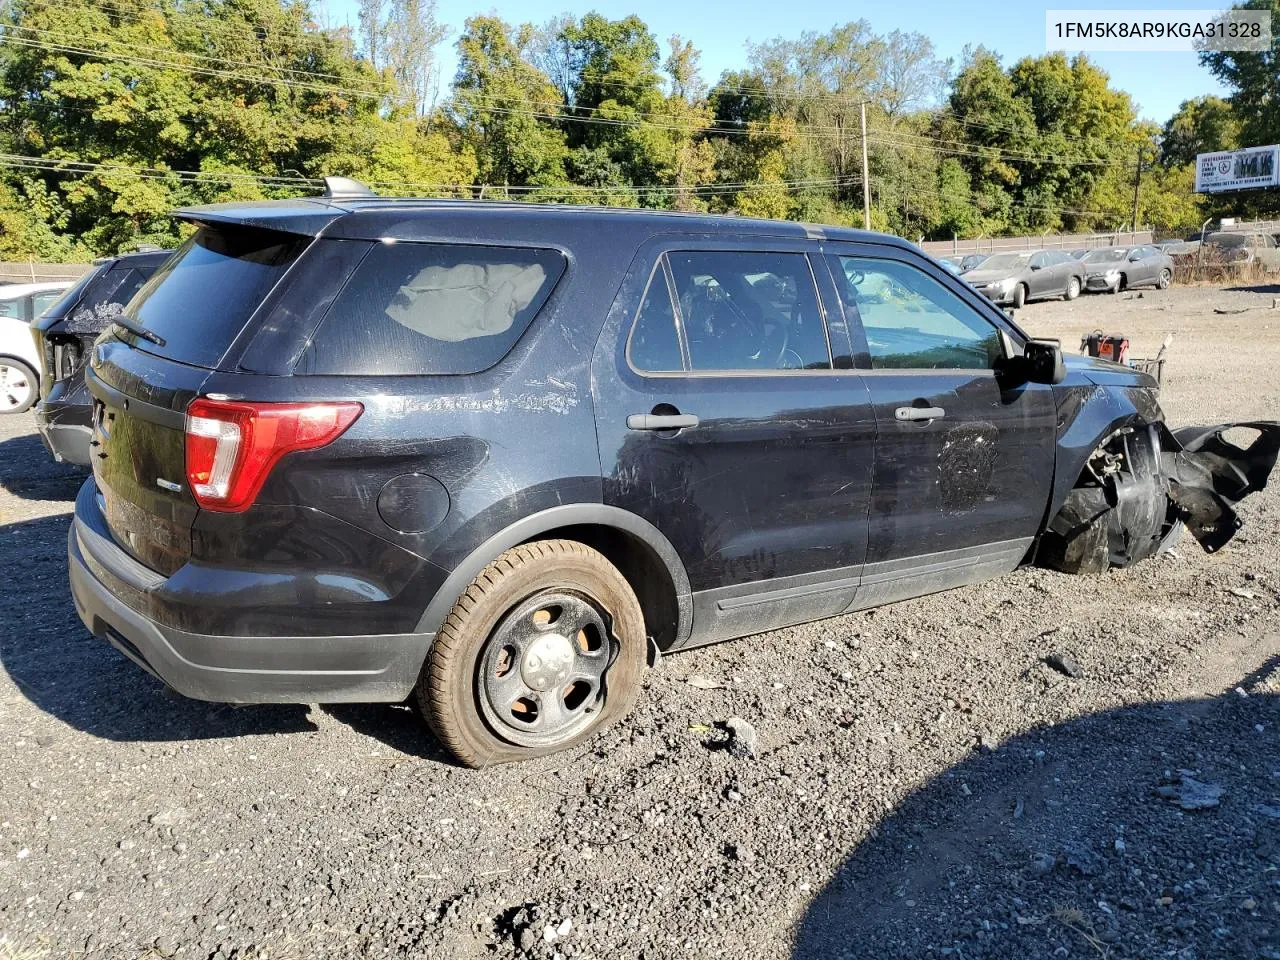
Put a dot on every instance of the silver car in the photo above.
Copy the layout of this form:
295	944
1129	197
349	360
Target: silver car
1112	269
1016	278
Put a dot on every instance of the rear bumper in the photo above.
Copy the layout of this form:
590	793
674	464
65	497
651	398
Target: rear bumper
226	669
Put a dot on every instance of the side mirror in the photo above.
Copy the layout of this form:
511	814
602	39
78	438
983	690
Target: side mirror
1135	257
1044	362
1035	266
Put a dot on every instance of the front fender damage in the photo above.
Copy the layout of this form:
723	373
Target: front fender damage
1208	475
1143	485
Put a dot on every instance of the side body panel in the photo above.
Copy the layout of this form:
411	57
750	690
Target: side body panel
765	499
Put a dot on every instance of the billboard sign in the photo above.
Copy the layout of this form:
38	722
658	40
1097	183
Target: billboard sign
1245	169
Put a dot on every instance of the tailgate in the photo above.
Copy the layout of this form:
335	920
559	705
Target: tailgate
138	452
183	320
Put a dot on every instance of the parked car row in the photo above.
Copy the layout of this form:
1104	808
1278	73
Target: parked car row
1015	278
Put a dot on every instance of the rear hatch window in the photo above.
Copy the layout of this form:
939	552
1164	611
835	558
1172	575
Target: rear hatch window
203	296
68	299
105	298
430	308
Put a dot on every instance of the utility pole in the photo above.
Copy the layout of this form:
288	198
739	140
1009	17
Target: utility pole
866	178
1137	187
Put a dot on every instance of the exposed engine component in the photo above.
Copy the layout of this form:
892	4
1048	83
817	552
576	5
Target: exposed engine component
1142	486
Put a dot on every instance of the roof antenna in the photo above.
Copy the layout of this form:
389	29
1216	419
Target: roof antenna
342	187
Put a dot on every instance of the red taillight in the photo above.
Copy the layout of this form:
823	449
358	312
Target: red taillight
233	444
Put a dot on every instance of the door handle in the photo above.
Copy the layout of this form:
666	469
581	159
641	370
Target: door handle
919	413
661	421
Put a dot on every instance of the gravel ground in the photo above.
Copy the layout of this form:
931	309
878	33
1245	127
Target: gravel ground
925	784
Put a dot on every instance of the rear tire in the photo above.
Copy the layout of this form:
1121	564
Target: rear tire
1166	278
1073	288
19	386
1020	296
543	650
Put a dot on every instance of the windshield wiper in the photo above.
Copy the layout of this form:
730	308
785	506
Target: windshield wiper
138	331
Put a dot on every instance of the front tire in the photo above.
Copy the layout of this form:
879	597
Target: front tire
1020	296
19	386
543	650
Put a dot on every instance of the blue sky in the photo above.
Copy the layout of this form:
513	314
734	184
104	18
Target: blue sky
721	29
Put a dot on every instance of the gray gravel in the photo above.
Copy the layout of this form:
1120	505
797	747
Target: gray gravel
924	783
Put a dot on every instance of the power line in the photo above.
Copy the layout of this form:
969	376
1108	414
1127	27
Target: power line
187	68
1013	154
198	56
59	165
807	131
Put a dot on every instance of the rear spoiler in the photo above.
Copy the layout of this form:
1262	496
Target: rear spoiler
307	217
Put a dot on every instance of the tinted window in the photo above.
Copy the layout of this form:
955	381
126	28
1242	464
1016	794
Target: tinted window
913	322
425	308
655	345
749	311
206	292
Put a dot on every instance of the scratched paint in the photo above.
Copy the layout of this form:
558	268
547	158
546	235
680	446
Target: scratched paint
966	465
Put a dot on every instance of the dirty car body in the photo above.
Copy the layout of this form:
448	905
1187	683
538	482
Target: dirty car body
739	424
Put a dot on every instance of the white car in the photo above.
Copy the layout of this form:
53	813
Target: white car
20	303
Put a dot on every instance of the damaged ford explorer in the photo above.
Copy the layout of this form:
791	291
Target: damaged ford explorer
496	458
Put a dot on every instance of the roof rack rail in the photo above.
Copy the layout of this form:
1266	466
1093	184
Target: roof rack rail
339	187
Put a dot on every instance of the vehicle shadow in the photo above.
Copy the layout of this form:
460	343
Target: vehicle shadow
28	471
83	681
1059	843
398	725
1257	288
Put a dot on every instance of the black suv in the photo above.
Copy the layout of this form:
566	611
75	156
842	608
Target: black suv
498	456
64	336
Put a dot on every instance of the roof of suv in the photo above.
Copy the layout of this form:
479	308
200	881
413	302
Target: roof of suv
395	218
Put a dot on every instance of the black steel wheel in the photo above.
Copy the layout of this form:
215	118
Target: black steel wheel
544	649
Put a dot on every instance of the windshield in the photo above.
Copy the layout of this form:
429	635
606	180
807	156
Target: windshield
1007	261
1104	256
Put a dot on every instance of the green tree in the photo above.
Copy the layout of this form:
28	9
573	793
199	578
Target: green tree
1201	125
506	108
1254	79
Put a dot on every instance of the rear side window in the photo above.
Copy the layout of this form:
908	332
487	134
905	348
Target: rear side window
738	310
432	308
206	292
655	342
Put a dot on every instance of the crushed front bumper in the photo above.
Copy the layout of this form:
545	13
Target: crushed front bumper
1153	482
